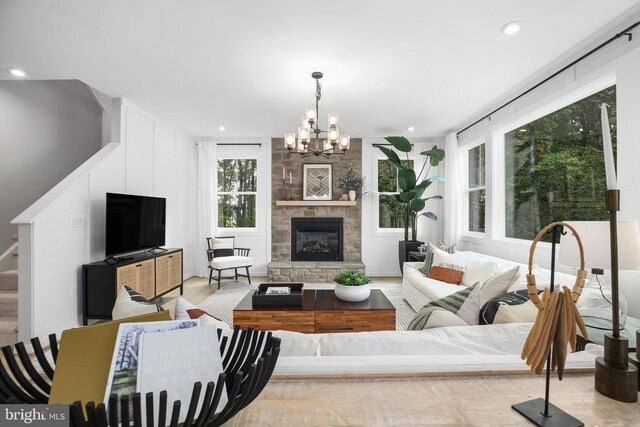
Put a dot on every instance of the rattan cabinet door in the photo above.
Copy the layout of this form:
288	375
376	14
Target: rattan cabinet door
168	272
139	276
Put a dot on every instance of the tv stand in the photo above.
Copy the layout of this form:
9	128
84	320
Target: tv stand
150	274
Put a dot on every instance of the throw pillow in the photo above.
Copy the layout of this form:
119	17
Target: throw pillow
184	310
444	318
451	303
470	308
512	307
458	260
478	271
498	284
129	303
447	275
542	278
222	246
428	257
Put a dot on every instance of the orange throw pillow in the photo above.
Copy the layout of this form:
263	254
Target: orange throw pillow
447	275
195	313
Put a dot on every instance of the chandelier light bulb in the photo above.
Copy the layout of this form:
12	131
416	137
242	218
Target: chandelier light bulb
305	123
345	141
333	134
311	114
332	119
289	140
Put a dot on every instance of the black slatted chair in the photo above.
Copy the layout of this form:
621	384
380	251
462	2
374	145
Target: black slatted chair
223	255
248	360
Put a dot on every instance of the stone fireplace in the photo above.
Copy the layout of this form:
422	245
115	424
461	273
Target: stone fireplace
287	266
316	239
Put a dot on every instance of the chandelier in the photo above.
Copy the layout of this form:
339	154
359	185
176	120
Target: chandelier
320	146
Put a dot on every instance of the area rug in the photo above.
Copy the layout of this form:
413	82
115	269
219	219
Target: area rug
221	303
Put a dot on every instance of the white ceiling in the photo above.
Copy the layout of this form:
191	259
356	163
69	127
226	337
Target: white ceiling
199	64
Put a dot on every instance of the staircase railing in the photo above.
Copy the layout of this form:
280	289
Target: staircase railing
7	259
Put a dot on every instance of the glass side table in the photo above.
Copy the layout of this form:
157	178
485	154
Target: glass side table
597	335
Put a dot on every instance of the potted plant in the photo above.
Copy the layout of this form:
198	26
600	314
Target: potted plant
411	189
351	183
352	286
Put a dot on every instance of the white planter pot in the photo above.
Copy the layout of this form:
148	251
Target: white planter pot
352	293
352	195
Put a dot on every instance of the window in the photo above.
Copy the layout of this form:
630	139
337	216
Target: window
476	189
237	192
554	167
389	213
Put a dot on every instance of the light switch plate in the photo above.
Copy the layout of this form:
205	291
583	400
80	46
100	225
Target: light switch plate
78	220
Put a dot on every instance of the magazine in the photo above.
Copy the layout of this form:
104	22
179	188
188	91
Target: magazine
175	360
278	290
124	363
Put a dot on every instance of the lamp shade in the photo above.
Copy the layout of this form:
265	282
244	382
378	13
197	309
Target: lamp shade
597	248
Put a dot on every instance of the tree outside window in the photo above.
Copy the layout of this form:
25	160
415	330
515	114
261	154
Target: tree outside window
554	167
237	192
476	189
389	213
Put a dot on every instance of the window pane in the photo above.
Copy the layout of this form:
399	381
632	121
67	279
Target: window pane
237	211
476	211
389	213
476	166
554	167
387	177
237	175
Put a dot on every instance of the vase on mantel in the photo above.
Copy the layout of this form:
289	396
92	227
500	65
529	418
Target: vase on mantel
352	195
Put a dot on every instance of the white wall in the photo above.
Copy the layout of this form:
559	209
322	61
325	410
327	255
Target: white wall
621	61
380	248
152	159
41	120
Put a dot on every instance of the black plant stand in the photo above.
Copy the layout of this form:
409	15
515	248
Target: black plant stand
540	411
248	360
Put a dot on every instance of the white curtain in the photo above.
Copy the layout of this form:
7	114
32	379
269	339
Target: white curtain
207	215
453	191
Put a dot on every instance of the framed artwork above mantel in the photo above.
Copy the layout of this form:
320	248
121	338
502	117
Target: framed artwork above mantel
317	181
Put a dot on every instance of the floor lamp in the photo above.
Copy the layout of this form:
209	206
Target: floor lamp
615	377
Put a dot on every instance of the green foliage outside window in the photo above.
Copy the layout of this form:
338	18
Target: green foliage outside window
554	167
390	214
237	187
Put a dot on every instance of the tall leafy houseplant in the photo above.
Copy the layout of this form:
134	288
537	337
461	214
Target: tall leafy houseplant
412	186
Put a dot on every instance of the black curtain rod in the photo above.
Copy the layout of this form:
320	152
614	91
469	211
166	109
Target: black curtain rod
241	143
383	145
626	32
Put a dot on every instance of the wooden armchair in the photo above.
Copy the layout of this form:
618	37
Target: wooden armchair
223	255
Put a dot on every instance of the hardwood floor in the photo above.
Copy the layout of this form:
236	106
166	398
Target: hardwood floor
453	401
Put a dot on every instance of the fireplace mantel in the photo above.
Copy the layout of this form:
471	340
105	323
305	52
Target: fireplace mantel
316	203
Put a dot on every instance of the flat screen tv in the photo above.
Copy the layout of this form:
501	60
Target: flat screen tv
134	223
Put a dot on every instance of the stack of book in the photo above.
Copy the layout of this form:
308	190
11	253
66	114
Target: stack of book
149	354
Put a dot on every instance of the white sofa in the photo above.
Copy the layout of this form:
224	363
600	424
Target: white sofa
469	349
419	290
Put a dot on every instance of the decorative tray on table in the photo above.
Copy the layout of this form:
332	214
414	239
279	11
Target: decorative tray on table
278	294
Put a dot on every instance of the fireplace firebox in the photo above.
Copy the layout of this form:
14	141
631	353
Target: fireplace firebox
316	239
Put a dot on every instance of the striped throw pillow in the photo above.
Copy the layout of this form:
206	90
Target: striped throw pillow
428	258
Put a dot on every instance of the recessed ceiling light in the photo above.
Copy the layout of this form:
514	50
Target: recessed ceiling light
511	27
17	72
411	128
222	128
